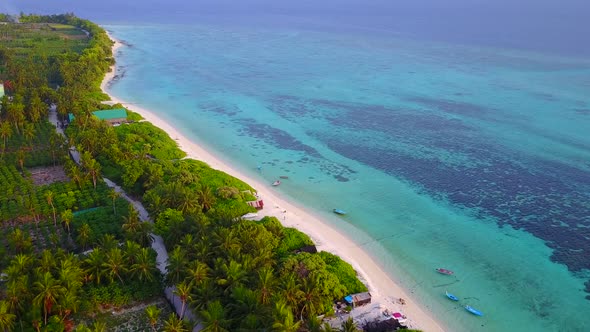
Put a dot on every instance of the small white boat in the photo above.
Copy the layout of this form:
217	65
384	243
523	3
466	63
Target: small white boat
251	215
340	212
276	183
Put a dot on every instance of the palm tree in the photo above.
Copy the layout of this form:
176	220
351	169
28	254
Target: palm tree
69	303
206	198
189	202
108	242
174	324
230	275
176	266
132	222
82	328
266	284
5	132
17	294
284	320
48	291
99	326
227	239
19	266
144	234
70	273
214	318
56	142
290	290
311	297
314	324
36	107
94	265
114	265
328	328
145	266
6	317
91	166
349	326
113	195
76	174
19	241
32	206
21	155
67	216
198	272
29	132
14	112
146	149
84	233
46	261
183	291
153	313
49	197
246	307
132	251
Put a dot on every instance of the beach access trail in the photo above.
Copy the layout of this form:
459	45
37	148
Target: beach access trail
157	243
384	290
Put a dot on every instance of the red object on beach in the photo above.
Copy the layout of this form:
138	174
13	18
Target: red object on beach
444	271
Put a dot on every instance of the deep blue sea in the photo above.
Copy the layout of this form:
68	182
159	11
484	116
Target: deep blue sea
445	155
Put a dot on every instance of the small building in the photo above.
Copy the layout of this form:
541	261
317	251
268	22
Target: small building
309	249
114	116
258	204
358	299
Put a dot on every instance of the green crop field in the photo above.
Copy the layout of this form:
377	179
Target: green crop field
52	39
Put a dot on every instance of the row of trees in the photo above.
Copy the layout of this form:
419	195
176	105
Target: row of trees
61	284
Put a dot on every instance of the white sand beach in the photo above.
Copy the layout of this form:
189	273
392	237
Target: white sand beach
384	290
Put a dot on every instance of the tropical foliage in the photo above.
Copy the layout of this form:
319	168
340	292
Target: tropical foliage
75	247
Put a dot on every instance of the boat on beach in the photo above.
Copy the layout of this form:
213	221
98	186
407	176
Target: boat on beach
445	271
473	310
340	212
276	183
451	296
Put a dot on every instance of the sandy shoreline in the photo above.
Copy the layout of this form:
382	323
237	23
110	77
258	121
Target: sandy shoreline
383	289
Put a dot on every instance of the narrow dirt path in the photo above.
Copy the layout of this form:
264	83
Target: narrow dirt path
157	243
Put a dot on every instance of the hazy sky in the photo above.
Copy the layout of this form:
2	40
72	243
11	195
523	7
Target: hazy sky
553	25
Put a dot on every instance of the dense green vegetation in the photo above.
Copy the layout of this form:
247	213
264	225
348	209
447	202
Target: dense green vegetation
74	248
45	284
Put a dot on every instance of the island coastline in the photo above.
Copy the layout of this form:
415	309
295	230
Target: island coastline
384	290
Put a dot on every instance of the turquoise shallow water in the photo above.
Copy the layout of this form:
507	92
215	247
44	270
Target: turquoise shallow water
477	160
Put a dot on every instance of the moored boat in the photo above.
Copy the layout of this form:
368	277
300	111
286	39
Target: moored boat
451	296
473	310
276	183
340	212
284	177
445	271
